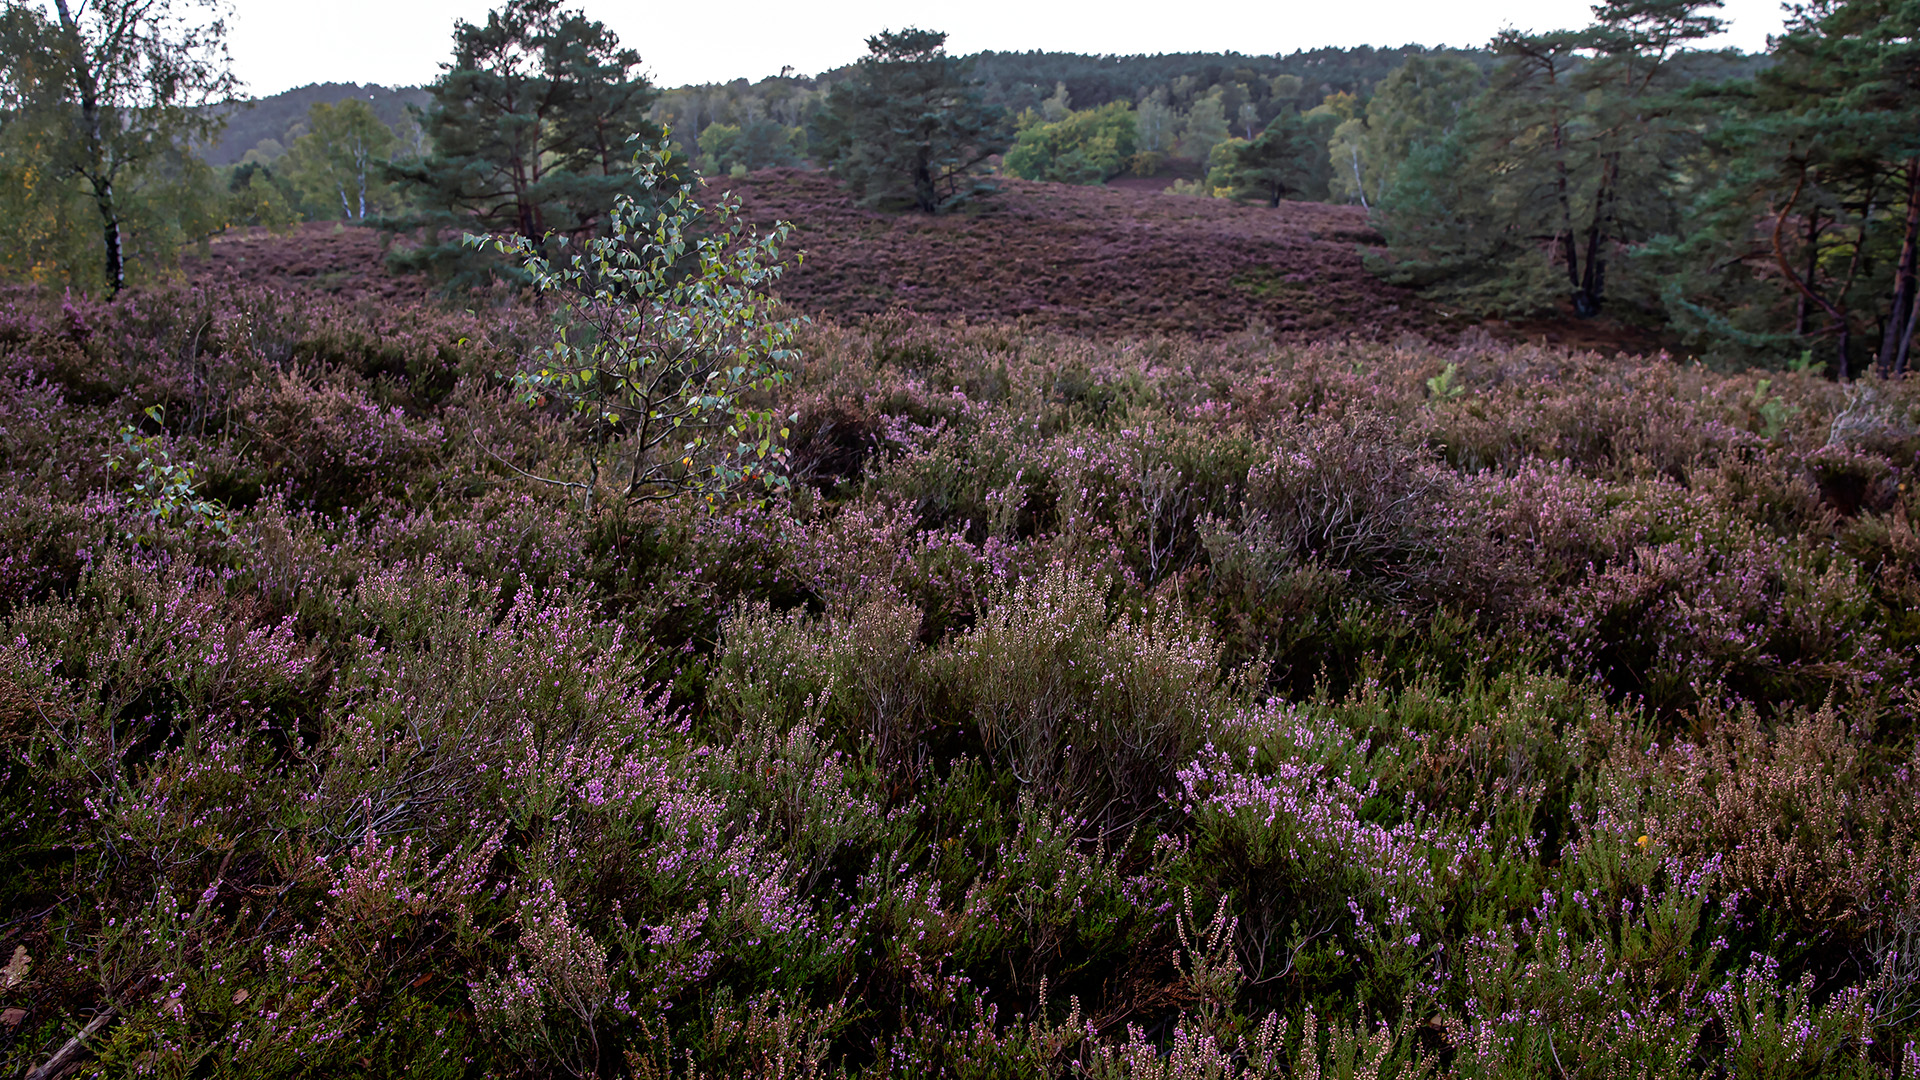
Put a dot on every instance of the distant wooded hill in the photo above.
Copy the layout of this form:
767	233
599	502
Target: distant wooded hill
270	124
1018	80
1023	80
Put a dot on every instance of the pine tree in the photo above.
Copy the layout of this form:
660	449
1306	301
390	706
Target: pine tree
1577	151
1805	243
910	127
1288	160
530	127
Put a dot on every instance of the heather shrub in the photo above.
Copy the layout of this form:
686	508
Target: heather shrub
1338	522
1346	496
1887	548
500	536
1055	907
1815	826
1775	1030
1285	828
1125	708
1150	491
1608	968
1851	480
328	438
875	552
1547	527
47	541
1089	707
148	643
1765	619
974	477
881	666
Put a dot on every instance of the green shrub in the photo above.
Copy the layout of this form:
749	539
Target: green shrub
1084	147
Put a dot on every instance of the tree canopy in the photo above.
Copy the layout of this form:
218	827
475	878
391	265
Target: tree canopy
1580	145
529	127
104	106
910	127
1803	242
1084	147
340	163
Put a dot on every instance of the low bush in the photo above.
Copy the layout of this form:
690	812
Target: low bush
1131	708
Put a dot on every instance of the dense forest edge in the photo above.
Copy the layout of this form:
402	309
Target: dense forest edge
1017	565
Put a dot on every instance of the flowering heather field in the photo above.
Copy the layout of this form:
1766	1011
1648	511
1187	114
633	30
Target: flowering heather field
1119	707
347	261
1086	260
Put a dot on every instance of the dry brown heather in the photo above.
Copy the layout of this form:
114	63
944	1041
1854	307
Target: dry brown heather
1207	705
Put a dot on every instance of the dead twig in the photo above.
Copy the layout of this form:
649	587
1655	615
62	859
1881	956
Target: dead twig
483	448
67	1058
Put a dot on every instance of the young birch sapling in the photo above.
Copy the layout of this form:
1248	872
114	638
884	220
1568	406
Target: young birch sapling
164	490
667	343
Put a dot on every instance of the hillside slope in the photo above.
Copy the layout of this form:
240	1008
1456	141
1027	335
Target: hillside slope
1095	261
1087	259
275	119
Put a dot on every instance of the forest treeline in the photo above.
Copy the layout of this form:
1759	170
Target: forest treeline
1760	208
263	128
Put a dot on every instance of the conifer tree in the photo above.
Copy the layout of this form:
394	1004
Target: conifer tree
1578	149
1288	160
529	126
1805	243
910	127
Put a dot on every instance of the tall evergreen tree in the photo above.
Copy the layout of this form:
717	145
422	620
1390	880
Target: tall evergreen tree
529	126
1805	243
1288	160
910	126
1577	150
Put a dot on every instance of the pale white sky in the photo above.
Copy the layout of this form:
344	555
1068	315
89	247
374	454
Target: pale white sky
277	45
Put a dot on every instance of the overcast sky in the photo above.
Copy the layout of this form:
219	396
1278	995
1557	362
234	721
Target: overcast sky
277	45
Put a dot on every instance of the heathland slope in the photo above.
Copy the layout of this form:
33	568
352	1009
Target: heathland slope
1107	261
1087	260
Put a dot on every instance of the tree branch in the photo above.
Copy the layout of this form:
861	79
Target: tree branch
475	436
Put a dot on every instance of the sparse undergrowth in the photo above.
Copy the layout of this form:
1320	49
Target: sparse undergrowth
1137	708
